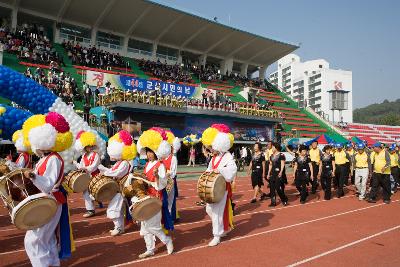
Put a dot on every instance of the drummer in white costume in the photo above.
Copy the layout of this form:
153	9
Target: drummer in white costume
86	144
154	143
171	165
47	135
24	157
219	140
122	149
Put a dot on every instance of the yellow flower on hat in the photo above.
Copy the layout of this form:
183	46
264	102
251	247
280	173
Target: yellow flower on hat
218	137
155	139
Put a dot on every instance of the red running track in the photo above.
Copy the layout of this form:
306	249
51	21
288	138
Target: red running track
340	232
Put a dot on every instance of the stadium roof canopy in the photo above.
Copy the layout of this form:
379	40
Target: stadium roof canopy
167	26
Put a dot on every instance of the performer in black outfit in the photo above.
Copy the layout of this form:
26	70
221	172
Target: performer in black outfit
327	171
276	169
257	169
303	170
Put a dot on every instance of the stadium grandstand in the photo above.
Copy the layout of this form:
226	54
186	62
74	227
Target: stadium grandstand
97	67
58	43
372	132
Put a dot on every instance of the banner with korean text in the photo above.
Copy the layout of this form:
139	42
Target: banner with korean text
94	78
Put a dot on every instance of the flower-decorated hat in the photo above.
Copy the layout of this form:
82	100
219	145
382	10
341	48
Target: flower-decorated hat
218	137
84	139
47	132
18	140
155	139
175	142
121	146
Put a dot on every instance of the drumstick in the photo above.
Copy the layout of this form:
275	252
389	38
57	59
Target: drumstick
142	179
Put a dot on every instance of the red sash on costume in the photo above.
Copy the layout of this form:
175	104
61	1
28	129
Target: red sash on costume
89	161
27	159
228	197
167	162
116	166
150	177
41	169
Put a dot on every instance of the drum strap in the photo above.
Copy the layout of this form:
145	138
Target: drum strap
215	166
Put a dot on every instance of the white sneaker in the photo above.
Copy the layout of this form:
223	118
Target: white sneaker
146	254
170	247
225	233
215	241
116	231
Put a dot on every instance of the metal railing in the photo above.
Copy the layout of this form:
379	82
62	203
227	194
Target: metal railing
69	37
108	45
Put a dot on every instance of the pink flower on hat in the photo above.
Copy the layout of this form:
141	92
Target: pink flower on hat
161	131
125	137
57	121
221	127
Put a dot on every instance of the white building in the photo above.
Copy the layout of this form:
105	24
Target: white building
313	84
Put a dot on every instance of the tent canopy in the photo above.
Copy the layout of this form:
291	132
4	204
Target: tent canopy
358	140
322	140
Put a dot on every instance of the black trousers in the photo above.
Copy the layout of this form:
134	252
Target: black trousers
326	183
396	175
301	184
314	182
346	181
341	171
276	187
380	180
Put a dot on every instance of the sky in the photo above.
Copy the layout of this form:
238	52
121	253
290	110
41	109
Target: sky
362	36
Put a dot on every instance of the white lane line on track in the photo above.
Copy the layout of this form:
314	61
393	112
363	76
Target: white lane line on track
179	209
258	234
191	223
343	247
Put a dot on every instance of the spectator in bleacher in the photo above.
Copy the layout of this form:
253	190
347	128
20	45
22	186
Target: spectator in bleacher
29	44
93	57
165	72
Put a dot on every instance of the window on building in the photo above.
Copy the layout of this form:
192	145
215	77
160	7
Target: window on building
74	33
140	47
320	66
167	52
109	40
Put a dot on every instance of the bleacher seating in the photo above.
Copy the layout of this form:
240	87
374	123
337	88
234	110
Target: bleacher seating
382	133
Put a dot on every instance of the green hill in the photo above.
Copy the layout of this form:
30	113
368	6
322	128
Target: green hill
386	113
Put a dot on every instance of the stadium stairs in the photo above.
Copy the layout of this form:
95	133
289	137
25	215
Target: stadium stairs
297	120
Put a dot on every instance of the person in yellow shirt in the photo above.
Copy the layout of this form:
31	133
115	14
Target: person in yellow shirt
380	161
341	157
394	166
362	165
315	156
